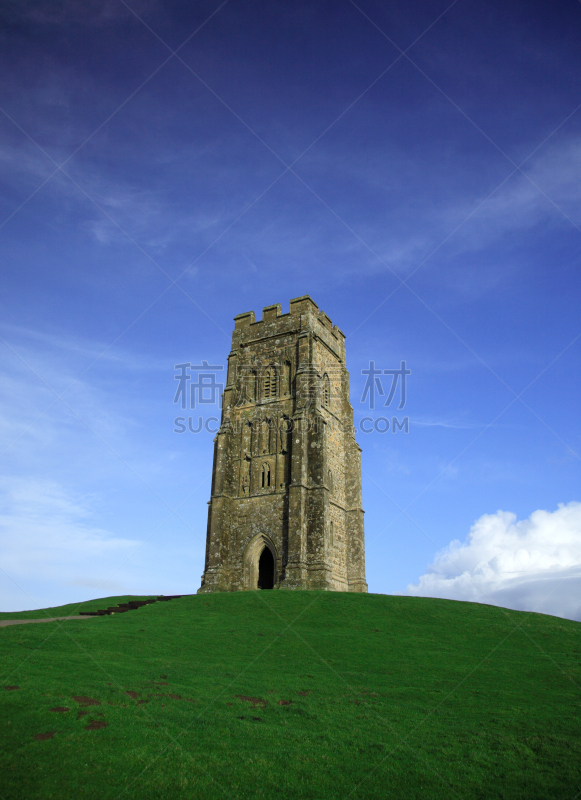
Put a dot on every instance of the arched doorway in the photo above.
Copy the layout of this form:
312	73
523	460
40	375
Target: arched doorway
260	563
266	570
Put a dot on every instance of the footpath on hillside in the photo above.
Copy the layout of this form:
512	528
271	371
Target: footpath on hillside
120	608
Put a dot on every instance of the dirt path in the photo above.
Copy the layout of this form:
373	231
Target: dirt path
5	622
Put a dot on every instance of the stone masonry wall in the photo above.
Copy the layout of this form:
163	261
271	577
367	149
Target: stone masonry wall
286	474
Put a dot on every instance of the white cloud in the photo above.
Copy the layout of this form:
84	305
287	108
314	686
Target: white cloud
529	565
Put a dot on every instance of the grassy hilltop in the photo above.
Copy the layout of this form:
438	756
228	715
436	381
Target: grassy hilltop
292	695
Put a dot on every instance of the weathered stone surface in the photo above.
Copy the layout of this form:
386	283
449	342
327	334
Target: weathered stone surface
285	508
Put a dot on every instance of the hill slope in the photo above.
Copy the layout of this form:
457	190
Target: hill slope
293	694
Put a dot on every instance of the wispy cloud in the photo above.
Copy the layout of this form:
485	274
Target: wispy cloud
450	199
46	533
446	423
67	12
62	346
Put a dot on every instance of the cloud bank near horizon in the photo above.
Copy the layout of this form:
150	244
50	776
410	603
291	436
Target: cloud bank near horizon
532	564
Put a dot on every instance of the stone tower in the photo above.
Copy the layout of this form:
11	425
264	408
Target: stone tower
285	509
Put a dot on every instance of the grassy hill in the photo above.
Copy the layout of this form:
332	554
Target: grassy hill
292	695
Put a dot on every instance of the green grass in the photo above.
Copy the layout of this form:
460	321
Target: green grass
390	697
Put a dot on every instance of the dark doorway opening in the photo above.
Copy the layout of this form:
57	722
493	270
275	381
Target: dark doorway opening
266	570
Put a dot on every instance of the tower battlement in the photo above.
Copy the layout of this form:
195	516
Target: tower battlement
298	306
285	509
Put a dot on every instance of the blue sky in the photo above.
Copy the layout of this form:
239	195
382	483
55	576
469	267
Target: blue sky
415	167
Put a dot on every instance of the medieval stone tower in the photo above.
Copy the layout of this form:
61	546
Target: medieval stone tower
285	508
